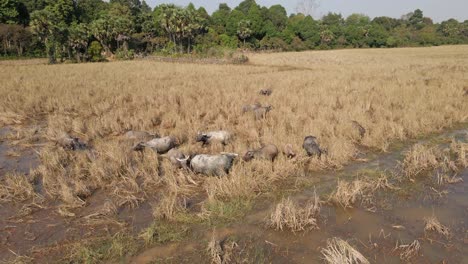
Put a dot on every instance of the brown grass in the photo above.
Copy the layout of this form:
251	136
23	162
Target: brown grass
362	189
294	216
419	159
394	94
220	252
460	150
408	251
340	251
432	224
16	188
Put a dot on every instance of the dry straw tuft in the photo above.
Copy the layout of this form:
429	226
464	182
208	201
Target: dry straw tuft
432	224
340	251
295	217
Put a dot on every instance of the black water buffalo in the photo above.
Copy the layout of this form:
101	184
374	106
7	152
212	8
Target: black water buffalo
261	112
359	128
311	146
140	135
266	92
71	143
250	108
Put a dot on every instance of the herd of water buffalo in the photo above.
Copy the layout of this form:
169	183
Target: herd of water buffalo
211	165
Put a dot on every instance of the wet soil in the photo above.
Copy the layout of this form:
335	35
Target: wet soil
35	229
397	218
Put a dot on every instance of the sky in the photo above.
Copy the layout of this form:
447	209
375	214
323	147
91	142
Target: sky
438	10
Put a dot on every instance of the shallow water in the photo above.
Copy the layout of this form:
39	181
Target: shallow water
372	233
15	159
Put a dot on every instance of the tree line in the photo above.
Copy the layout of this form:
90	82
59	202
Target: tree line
89	30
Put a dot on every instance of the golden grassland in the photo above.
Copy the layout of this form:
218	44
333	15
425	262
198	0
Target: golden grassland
394	94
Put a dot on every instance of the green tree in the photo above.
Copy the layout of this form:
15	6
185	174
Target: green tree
62	10
181	25
416	20
78	40
90	10
243	30
245	6
45	25
254	16
219	19
101	29
9	11
278	16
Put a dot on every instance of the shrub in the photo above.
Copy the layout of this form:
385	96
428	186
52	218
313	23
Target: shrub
240	59
122	54
94	52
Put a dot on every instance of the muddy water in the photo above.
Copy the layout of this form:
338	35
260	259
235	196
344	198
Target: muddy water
14	158
398	218
372	233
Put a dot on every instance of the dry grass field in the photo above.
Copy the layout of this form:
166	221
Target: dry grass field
395	94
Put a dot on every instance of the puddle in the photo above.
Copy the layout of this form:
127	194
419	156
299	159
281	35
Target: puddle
14	158
374	234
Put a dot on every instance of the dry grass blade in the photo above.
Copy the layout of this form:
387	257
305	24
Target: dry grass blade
221	252
432	224
16	188
418	159
295	217
215	251
340	251
461	151
348	193
409	251
445	179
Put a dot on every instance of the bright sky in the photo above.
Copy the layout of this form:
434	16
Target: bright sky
438	10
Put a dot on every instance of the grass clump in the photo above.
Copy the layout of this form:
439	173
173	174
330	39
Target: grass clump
340	251
16	188
348	193
162	232
432	224
408	251
295	217
114	248
217	212
221	252
461	153
419	159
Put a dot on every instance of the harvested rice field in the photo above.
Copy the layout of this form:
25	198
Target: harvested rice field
345	156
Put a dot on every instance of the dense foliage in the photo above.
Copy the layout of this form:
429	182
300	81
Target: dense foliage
68	29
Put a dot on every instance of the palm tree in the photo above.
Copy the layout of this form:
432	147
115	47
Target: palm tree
243	30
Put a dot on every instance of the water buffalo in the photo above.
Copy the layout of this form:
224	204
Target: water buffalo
289	151
266	92
160	145
210	165
261	112
250	108
71	143
222	137
359	128
312	147
140	135
267	152
174	155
